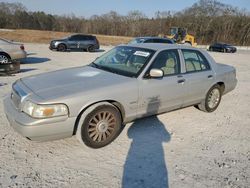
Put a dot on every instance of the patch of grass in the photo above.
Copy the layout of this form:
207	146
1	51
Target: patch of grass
38	36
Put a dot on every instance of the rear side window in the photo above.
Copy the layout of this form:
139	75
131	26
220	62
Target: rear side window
149	41
162	41
81	37
195	61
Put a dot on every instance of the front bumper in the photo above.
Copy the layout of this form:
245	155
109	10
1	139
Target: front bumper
38	129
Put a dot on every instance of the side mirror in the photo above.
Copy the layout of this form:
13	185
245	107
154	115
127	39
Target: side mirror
156	73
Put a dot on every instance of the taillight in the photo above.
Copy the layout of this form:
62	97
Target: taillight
22	47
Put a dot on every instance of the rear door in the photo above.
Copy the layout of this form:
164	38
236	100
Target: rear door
199	76
85	41
162	94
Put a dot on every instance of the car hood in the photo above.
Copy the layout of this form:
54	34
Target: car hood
72	81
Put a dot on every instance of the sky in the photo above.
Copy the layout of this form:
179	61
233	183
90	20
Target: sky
87	8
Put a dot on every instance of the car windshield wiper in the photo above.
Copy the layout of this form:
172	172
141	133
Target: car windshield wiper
95	65
102	67
109	69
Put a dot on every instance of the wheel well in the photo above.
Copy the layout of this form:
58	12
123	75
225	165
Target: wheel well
3	53
222	86
62	44
115	103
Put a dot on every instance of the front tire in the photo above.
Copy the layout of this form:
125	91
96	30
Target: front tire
212	100
101	125
61	47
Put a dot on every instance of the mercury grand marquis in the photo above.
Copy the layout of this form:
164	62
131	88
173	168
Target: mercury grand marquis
128	82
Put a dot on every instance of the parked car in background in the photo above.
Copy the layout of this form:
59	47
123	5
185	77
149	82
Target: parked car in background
77	41
151	40
10	53
124	84
222	47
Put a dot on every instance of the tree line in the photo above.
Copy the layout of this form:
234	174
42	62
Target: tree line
208	20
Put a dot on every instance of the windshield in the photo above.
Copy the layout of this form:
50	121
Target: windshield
124	60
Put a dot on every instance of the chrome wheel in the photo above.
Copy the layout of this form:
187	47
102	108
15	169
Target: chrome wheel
101	126
213	98
4	59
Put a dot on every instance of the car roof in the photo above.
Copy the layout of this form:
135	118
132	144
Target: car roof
221	43
81	34
152	38
159	46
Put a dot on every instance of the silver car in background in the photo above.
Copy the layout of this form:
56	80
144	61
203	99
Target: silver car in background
9	53
129	82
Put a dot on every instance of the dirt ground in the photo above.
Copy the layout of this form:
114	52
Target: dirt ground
38	36
183	148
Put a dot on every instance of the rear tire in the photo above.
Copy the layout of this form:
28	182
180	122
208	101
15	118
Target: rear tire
101	124
91	48
212	100
4	59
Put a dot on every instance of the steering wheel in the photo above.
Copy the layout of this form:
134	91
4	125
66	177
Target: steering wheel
138	65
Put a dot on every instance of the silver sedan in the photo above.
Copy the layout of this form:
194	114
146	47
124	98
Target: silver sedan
11	51
128	82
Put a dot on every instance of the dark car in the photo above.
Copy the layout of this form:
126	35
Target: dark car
77	41
151	40
222	47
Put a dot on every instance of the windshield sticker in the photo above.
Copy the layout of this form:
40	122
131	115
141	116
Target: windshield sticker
88	74
140	53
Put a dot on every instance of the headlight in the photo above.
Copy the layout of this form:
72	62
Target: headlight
44	111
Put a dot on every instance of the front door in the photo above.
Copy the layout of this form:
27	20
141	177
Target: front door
159	95
74	42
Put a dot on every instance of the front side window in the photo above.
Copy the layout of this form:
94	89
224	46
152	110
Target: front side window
73	38
168	61
195	61
163	41
124	60
149	41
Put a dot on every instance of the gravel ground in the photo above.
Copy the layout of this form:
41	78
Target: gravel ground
183	148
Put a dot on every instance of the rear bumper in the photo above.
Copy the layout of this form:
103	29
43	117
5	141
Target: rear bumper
10	68
38	129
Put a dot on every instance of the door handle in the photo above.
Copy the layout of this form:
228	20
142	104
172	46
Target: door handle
181	81
210	76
